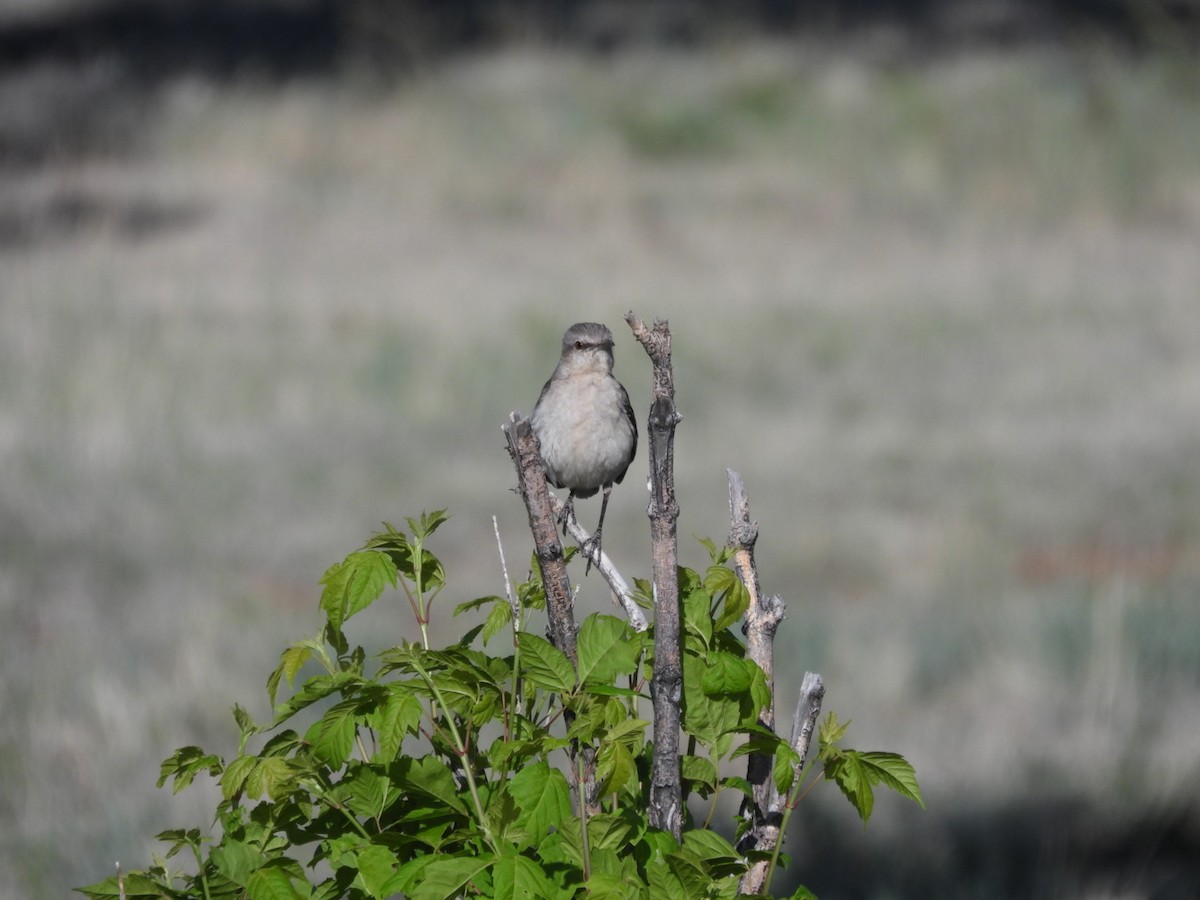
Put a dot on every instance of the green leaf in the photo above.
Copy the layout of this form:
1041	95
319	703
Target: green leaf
184	765
544	797
726	587
498	619
335	734
400	715
444	877
709	846
857	772
830	732
701	773
784	770
607	647
355	583
614	767
366	789
803	893
274	882
427	524
136	884
316	688
727	674
519	878
704	715
291	661
544	664
376	868
697	615
271	776
236	773
236	860
429	775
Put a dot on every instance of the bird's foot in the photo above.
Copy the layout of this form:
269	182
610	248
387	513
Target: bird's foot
591	549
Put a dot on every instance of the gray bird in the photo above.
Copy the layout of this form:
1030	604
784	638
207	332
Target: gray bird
584	422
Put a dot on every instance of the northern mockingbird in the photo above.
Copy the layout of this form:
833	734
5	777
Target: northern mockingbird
584	422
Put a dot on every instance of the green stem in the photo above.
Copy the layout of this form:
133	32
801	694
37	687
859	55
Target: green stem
200	871
583	816
794	797
461	749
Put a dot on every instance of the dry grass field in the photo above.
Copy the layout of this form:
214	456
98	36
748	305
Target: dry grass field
943	316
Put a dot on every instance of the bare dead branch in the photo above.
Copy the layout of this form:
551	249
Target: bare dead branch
808	708
531	475
616	581
763	615
666	686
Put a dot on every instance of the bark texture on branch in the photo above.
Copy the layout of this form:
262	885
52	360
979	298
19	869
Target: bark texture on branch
666	685
767	836
763	616
531	476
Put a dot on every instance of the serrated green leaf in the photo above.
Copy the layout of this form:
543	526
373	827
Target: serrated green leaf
544	798
274	882
697	615
802	893
831	731
429	775
544	664
708	845
727	674
236	860
185	765
244	722
614	767
136	884
701	772
271	777
376	868
784	769
234	778
705	716
316	688
664	884
291	661
892	771
399	716
519	878
607	648
444	877
355	583
490	600
334	737
366	789
498	619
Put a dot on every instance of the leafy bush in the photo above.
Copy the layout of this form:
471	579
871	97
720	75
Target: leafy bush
436	773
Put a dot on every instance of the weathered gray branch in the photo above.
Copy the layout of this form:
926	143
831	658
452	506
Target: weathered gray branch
767	836
763	615
531	477
666	685
616	581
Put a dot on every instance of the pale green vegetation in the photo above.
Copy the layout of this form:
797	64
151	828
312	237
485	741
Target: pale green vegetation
943	318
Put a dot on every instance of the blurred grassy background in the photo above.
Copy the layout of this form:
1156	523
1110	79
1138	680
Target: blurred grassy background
942	309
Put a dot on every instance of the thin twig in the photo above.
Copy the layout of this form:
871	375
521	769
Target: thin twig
508	588
601	561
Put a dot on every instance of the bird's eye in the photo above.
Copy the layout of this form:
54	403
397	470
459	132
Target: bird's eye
579	345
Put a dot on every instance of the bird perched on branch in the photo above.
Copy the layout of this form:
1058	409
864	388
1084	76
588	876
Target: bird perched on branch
584	422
